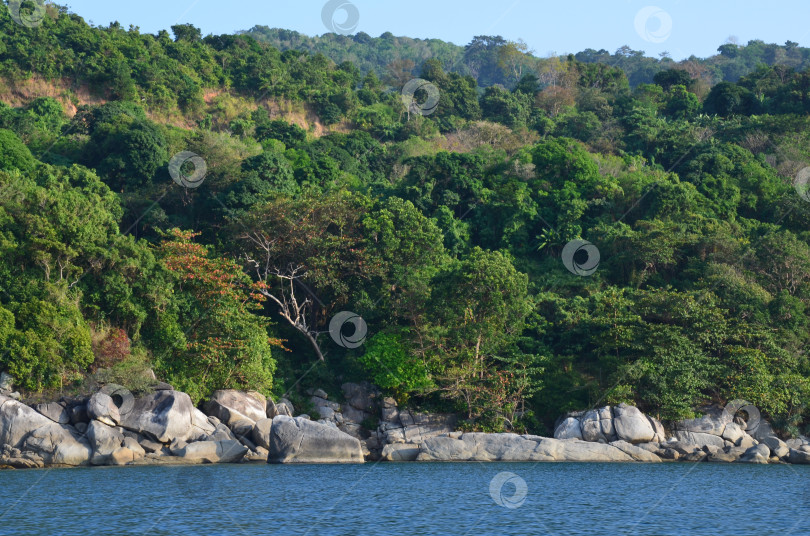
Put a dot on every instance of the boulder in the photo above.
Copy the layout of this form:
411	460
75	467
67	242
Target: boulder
746	441
390	412
757	454
243	427
638	454
658	429
400	452
713	422
201	427
777	446
123	456
733	432
360	396
700	440
105	440
55	412
515	448
284	407
261	433
229	406
319	393
632	425
24	428
570	428
799	457
163	415
6	382
78	414
270	410
304	441
227	451
102	408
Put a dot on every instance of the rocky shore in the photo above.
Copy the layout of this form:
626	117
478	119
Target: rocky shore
113	427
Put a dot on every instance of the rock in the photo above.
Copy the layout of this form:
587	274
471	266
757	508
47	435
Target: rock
6	382
325	413
658	429
228	451
319	393
81	427
271	410
512	447
650	447
162	415
700	440
733	432
390	412
284	407
668	454
150	446
123	456
728	455
229	406
638	454
400	452
177	445
102	408
261	433
695	456
777	447
713	422
201	426
23	428
78	413
763	430
105	440
360	396
242	427
55	412
302	441
570	428
799	457
221	433
757	454
746	441
631	425
162	386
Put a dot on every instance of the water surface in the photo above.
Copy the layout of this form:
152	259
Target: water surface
409	499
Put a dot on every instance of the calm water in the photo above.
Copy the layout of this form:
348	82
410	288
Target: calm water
409	499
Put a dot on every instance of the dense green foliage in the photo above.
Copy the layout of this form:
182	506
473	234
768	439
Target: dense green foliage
444	232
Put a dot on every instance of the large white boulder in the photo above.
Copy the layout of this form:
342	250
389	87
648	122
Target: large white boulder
164	415
300	440
230	406
632	425
23	428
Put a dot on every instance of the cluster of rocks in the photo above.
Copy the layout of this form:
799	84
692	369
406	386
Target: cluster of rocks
114	428
7	386
717	436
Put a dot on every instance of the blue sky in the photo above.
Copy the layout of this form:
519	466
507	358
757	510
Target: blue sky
680	27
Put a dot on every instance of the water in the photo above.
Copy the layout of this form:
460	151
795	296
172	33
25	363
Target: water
409	499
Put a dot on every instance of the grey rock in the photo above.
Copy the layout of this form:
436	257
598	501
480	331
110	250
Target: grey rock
570	428
102	408
799	457
261	433
150	446
400	452
270	410
284	407
6	382
638	454
229	406
227	451
746	441
201	426
81	427
632	425
23	428
757	454
55	412
303	441
242	427
777	446
78	413
733	432
320	393
713	422
105	440
700	440
162	415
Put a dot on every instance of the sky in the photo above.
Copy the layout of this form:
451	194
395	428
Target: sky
679	27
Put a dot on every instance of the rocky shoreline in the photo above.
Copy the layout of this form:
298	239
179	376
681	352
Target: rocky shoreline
113	427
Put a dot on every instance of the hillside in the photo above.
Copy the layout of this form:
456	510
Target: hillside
228	214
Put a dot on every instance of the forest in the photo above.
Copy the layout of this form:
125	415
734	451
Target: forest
517	237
